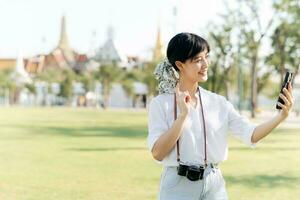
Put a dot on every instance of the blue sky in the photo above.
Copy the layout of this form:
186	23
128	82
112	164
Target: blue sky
24	23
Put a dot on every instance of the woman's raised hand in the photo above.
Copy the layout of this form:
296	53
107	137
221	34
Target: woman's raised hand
183	100
288	101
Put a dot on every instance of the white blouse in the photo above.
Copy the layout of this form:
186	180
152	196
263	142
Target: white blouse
220	116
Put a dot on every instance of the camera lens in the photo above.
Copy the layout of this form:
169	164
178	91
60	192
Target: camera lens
182	169
193	173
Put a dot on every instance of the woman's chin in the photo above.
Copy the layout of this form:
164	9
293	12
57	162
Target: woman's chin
203	79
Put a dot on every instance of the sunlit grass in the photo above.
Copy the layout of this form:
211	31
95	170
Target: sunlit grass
69	154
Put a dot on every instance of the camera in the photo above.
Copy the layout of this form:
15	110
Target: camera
192	172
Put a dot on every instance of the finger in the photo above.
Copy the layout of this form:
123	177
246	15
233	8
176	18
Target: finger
287	94
282	106
186	92
187	99
290	88
184	96
286	101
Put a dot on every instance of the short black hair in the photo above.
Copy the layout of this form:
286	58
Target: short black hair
184	46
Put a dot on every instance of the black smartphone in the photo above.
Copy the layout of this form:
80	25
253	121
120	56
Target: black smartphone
287	79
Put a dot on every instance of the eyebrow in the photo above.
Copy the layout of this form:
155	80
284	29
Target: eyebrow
196	57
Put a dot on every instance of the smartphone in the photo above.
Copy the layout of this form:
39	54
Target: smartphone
287	79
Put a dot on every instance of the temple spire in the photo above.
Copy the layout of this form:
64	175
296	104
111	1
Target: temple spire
63	41
158	53
110	33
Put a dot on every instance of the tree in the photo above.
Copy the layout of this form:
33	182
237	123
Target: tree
7	86
222	62
68	77
149	78
107	75
252	35
286	39
87	80
128	79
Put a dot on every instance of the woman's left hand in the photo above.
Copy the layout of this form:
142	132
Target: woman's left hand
288	101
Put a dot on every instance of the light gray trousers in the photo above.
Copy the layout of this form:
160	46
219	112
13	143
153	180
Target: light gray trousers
175	187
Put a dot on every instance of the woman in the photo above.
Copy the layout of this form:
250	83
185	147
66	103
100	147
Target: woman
188	125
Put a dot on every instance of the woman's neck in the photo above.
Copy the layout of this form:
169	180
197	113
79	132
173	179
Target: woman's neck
188	86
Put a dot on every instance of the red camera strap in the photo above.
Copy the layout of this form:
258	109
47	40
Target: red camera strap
203	121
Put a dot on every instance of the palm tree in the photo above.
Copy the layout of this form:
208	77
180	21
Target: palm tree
65	77
87	79
107	75
127	81
68	77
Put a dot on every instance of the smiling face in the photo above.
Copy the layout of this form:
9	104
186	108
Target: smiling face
194	69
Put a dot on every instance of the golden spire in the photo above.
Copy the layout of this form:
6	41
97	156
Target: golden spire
63	41
158	53
63	45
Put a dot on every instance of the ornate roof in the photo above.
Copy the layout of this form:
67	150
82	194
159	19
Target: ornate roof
109	52
61	56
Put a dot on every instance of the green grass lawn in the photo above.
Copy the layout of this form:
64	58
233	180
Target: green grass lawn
69	154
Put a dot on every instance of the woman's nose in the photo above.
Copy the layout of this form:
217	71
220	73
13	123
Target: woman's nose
206	62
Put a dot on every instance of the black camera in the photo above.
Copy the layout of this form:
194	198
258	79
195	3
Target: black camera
192	172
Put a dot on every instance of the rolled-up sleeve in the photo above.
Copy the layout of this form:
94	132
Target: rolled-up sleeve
240	126
157	123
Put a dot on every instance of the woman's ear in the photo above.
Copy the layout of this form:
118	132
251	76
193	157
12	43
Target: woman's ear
179	65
